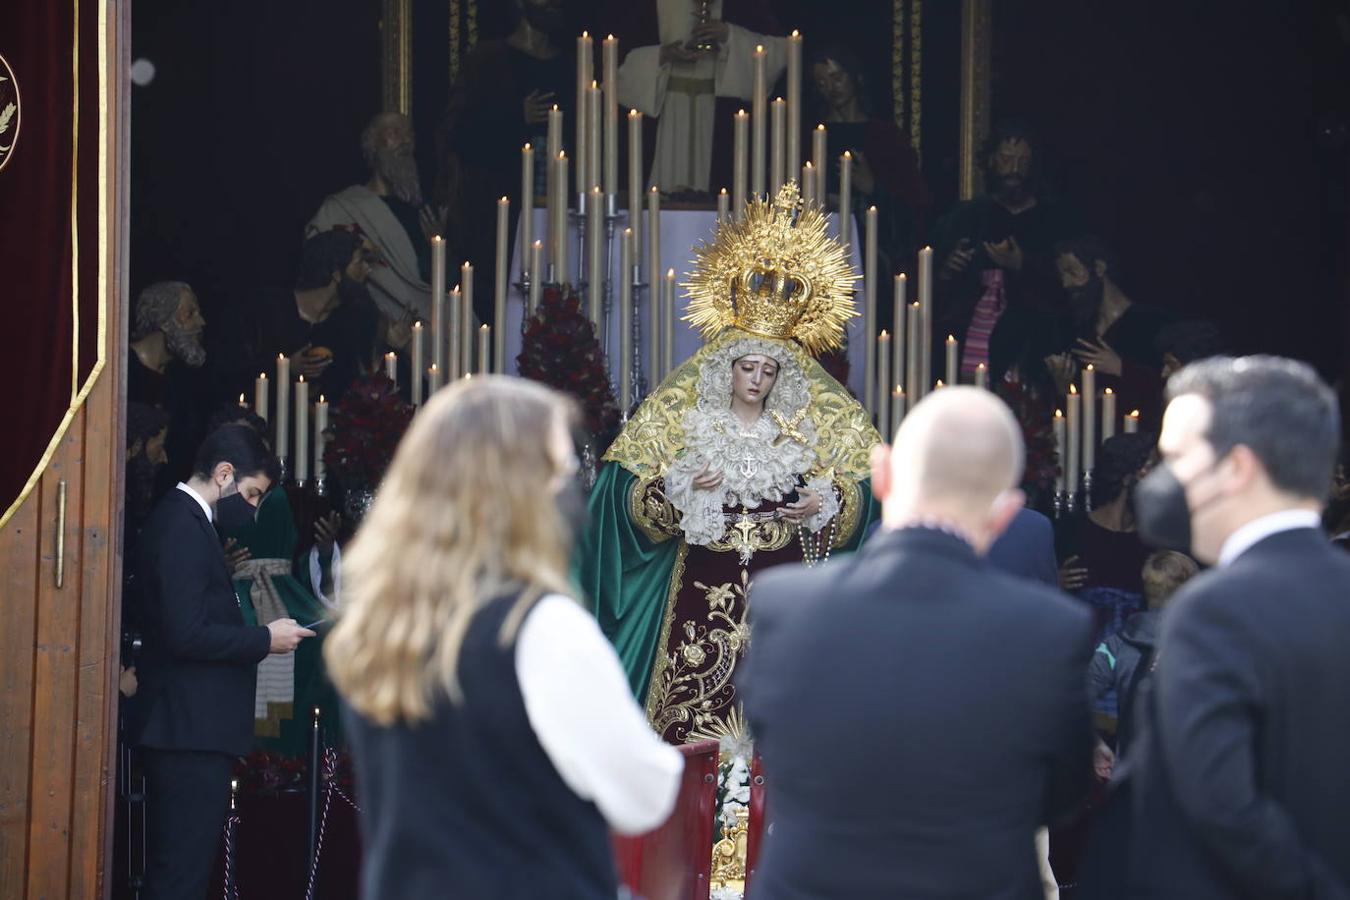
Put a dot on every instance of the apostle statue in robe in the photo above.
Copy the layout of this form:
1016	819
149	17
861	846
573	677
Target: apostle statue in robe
749	455
690	68
389	210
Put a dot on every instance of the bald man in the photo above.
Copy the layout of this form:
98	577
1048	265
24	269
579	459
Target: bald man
919	714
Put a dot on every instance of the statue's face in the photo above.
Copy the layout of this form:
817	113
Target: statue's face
833	83
752	377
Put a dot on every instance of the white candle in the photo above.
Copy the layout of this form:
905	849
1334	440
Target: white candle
1108	414
433	379
668	325
794	101
1075	438
526	209
484	349
466	319
610	64
626	320
897	411
594	104
582	149
1132	423
558	226
499	282
438	323
914	331
417	361
845	197
283	408
260	395
452	359
301	431
321	436
982	376
1089	418
723	206
883	386
758	121
870	276
1062	449
653	239
808	184
536	284
952	360
553	147
741	160
243	404
819	163
899	338
778	146
926	319
635	175
595	260
391	366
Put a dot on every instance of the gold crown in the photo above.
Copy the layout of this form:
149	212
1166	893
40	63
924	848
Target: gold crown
776	273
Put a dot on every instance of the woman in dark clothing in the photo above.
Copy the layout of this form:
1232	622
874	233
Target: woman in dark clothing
885	167
1101	555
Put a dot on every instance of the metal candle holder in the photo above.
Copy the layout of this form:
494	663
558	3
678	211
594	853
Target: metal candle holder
1087	491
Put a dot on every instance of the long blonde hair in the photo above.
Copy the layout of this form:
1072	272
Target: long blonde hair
464	514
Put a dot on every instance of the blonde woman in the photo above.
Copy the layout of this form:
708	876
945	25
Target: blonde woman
494	735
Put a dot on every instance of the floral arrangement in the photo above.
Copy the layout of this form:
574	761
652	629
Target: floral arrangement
366	426
269	774
560	350
1035	412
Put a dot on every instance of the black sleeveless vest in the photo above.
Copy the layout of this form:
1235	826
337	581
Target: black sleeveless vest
467	803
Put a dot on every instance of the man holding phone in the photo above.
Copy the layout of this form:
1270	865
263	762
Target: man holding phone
198	668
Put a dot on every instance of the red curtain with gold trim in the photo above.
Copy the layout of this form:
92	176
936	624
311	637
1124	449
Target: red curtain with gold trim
49	185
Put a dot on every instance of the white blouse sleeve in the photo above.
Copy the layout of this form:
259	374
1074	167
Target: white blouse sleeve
829	502
581	709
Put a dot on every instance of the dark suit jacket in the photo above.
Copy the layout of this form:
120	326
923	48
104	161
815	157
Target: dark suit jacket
1027	548
919	715
199	665
1241	785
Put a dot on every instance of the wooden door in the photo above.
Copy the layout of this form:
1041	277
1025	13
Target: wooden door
59	637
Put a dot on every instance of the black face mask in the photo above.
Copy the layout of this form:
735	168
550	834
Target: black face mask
1161	513
572	508
234	513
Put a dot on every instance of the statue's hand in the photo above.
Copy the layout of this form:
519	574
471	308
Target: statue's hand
806	506
707	480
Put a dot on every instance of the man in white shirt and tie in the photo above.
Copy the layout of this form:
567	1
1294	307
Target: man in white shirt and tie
1241	787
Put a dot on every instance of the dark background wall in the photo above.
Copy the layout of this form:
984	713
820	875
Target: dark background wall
252	118
1207	144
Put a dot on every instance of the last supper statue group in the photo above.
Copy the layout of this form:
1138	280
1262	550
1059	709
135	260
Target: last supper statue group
749	455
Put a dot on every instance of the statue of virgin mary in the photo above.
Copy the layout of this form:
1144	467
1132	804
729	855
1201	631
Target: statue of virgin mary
749	455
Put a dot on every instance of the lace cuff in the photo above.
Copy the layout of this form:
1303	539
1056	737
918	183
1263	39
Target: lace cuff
829	502
701	517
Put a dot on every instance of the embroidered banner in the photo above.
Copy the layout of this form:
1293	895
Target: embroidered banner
51	187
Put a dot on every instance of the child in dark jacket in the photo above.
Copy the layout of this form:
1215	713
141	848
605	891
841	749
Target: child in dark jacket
1125	659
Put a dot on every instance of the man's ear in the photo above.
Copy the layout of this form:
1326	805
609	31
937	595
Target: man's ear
223	473
881	472
1242	467
1005	509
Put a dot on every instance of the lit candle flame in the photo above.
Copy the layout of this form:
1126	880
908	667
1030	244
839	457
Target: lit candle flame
1073	389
